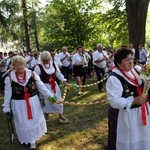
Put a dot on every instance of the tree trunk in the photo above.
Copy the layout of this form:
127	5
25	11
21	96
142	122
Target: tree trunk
36	33
36	40
27	38
137	13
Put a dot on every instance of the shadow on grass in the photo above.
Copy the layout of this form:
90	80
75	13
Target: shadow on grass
84	120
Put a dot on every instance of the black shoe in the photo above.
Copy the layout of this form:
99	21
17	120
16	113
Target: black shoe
102	90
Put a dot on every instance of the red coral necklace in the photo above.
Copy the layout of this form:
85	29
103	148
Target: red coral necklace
21	80
135	80
47	66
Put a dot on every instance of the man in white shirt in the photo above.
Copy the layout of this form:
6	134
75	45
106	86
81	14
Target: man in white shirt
4	68
142	54
8	61
64	57
30	61
132	49
99	61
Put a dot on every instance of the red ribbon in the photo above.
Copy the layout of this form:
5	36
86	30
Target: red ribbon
143	115
53	84
26	97
144	107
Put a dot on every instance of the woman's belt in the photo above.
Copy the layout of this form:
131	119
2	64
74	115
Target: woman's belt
21	97
133	106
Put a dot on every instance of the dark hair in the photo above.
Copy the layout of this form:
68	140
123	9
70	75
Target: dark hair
124	46
35	54
121	54
79	47
52	50
10	52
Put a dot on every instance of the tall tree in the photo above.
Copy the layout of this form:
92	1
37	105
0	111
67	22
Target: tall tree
27	38
137	13
36	32
34	23
7	15
115	23
71	22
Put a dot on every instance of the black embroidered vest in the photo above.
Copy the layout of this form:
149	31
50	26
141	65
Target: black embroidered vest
128	89
44	76
19	90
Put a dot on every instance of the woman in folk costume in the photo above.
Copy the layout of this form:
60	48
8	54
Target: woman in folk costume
48	71
21	89
129	123
79	63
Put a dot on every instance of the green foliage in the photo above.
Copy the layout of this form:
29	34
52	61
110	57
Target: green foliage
69	23
7	14
148	32
66	23
84	23
115	21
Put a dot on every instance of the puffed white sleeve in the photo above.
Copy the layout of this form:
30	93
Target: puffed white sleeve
114	94
37	70
73	60
41	87
59	75
7	96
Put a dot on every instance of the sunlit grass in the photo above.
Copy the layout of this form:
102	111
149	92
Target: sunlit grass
86	130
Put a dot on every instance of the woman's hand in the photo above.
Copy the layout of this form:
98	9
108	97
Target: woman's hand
81	63
65	83
139	100
42	102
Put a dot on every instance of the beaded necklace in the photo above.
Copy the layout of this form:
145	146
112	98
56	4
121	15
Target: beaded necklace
21	80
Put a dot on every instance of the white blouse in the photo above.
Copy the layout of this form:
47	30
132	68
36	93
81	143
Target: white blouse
78	58
8	88
114	91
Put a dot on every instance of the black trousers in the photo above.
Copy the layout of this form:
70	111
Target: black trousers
100	74
84	77
65	71
2	85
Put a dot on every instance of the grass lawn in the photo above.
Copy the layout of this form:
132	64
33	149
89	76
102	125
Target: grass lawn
86	130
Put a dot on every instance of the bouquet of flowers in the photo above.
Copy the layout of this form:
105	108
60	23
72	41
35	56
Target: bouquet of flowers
146	70
53	99
145	76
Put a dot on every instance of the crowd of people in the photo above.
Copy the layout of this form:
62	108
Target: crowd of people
79	64
31	80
